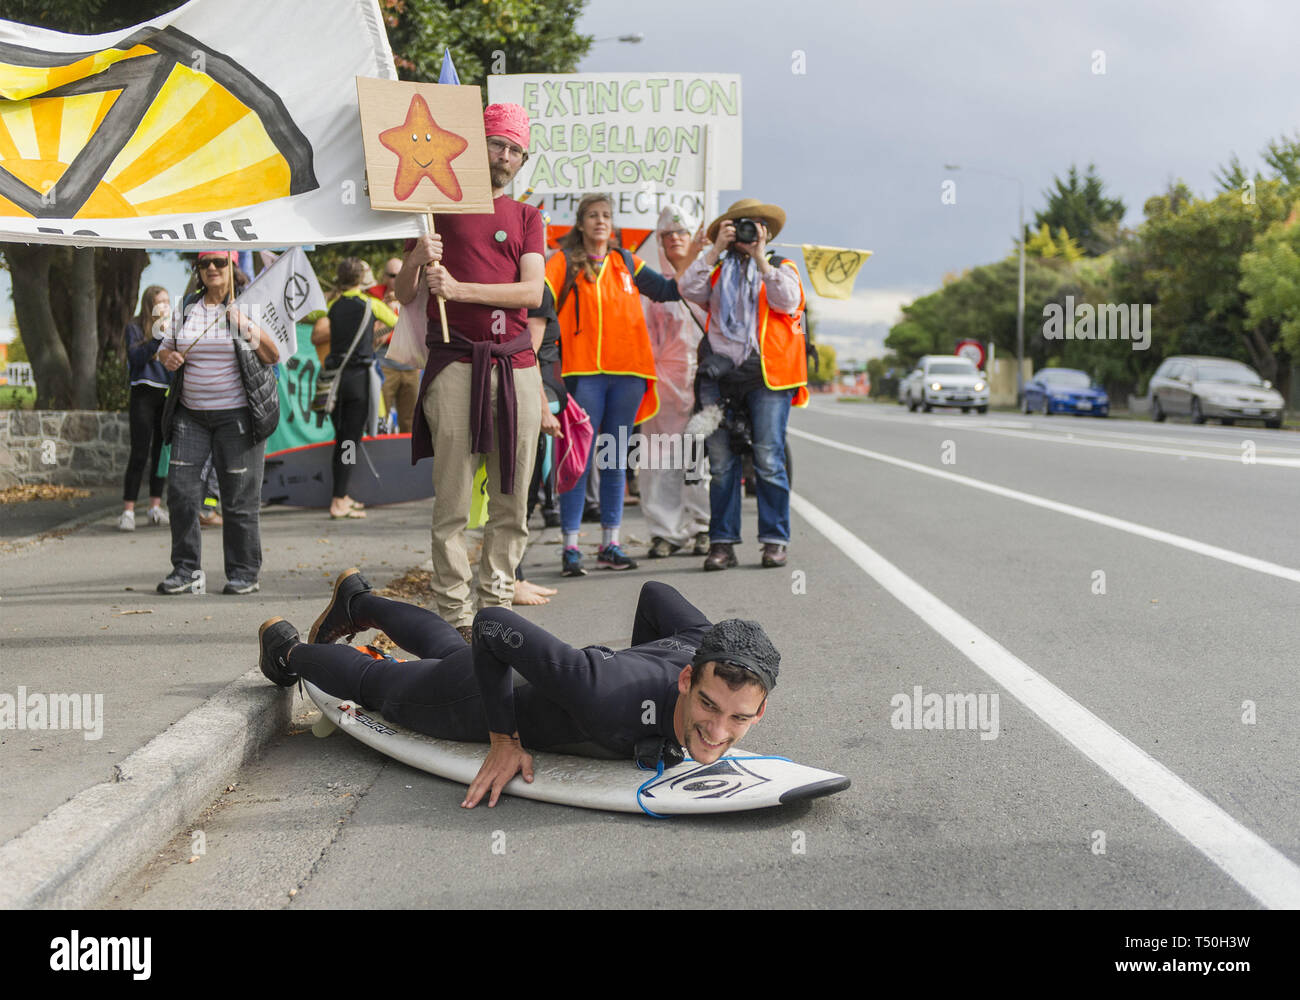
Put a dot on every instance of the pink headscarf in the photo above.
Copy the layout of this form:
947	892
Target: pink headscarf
510	121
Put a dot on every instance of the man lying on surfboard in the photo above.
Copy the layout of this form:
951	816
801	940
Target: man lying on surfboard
684	687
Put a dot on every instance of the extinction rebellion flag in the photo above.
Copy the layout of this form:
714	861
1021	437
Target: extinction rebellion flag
222	120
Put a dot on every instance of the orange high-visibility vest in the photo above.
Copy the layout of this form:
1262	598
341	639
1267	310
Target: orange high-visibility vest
782	350
602	327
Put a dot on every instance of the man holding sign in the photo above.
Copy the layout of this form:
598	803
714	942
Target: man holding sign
482	390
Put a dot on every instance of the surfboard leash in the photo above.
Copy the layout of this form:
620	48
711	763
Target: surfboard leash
659	773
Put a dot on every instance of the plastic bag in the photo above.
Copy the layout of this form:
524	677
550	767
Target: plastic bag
574	448
407	346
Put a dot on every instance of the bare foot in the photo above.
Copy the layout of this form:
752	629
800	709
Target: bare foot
527	593
356	504
340	508
548	591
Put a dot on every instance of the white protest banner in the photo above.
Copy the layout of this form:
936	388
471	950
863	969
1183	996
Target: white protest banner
202	125
281	295
641	136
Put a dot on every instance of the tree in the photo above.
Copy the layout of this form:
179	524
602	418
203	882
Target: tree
1080	206
1041	244
1270	279
826	370
1190	261
505	36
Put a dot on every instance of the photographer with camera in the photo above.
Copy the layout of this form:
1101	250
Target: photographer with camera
754	356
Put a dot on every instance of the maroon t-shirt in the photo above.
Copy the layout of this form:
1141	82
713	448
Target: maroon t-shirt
486	249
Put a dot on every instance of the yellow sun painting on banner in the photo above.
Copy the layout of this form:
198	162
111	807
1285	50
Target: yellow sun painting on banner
159	125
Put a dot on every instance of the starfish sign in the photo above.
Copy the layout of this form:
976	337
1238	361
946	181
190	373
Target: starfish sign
423	150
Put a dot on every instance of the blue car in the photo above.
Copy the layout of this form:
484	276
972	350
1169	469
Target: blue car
1065	390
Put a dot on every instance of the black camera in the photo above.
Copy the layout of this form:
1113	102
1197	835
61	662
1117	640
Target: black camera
746	231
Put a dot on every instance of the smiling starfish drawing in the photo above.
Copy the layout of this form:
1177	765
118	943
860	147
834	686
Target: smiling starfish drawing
423	150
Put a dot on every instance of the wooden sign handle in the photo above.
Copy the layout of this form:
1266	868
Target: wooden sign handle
442	303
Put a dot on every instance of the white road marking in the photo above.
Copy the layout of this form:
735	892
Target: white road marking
1089	442
1088	437
1132	527
1247	858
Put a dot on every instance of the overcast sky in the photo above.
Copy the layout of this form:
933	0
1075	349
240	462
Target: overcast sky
854	148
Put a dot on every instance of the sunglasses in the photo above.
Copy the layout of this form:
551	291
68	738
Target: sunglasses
221	263
391	274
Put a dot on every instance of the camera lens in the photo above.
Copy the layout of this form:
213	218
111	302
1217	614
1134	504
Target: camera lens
746	231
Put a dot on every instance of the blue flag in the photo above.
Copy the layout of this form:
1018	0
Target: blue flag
448	72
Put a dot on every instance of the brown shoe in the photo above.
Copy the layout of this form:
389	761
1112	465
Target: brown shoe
773	554
721	556
466	633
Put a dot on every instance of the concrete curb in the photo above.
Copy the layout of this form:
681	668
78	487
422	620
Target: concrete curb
60	529
74	855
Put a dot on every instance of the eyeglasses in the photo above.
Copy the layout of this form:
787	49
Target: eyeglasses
221	263
391	274
499	145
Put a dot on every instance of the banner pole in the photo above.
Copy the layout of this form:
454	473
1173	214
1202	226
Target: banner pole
442	303
711	208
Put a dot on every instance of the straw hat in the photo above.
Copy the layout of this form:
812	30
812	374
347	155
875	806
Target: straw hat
751	208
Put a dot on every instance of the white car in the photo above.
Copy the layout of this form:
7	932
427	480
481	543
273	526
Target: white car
905	386
948	380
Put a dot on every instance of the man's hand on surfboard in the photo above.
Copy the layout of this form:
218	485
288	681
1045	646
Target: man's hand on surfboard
505	759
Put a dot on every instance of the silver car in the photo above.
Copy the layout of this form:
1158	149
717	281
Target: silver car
1221	388
905	386
948	380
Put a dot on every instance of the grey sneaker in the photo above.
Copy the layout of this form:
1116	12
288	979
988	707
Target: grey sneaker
177	584
241	587
127	521
158	517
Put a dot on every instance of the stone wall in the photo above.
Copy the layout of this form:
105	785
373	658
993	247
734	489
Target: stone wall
64	447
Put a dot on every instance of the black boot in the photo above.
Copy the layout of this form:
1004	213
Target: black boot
336	620
276	638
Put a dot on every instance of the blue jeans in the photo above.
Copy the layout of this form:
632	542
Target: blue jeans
228	436
611	401
769	412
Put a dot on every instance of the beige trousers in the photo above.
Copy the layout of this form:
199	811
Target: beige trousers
400	390
505	536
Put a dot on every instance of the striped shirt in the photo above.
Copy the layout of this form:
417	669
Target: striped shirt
212	380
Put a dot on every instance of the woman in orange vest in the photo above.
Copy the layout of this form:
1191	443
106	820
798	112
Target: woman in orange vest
607	363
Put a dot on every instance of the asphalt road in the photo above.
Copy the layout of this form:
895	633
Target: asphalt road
1127	591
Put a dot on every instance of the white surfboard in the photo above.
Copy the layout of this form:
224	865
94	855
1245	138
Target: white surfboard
740	780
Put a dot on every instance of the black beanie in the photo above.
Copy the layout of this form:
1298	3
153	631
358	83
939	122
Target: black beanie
743	643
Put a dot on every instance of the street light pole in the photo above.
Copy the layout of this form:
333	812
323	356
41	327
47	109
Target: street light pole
1020	302
1020	290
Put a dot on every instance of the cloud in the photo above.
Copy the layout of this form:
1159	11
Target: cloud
867	306
857	327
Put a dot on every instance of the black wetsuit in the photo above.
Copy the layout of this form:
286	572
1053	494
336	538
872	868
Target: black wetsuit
592	701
